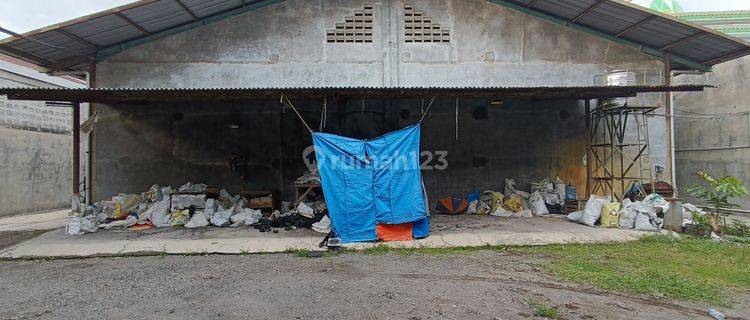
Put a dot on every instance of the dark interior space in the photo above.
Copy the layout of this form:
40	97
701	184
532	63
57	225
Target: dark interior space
259	145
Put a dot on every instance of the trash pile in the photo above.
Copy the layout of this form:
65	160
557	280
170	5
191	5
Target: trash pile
191	206
310	177
547	197
635	215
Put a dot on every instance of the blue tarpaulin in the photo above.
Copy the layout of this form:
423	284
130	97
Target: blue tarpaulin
370	182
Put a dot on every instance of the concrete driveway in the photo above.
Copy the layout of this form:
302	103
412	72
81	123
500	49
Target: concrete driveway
447	231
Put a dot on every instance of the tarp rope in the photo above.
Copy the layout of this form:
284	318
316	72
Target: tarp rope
283	98
424	113
323	115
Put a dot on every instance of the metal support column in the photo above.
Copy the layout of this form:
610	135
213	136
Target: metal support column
670	120
589	155
76	147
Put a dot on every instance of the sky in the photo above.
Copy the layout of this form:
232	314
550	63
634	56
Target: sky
26	15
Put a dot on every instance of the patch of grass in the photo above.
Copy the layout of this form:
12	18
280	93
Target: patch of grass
688	268
542	310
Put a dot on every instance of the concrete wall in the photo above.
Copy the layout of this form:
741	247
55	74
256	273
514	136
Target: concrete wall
720	145
34	168
35	146
284	46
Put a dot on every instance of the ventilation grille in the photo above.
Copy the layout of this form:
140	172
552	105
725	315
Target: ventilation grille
355	29
421	28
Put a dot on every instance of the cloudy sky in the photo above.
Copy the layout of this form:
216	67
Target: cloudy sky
26	15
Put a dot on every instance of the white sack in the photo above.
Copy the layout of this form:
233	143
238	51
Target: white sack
536	202
322	226
159	215
184	201
593	210
246	217
647	222
221	218
80	225
210	209
560	188
656	203
304	210
197	221
575	216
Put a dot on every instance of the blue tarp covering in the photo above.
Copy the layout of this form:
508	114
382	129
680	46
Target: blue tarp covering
367	182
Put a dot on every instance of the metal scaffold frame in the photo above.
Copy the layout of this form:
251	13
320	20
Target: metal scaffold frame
620	149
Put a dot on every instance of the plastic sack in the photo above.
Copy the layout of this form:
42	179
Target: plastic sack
180	217
645	221
560	188
159	214
75	203
304	210
125	203
127	222
473	200
221	218
210	209
656	203
79	225
501	212
536	202
153	194
198	220
629	213
184	201
246	217
107	212
575	216
513	203
322	226
593	210
510	186
551	198
611	215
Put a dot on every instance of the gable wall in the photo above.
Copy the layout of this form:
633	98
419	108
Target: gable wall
284	46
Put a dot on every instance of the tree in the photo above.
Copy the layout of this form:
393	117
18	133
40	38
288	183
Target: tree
717	193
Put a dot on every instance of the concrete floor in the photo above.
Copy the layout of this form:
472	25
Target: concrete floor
447	231
35	221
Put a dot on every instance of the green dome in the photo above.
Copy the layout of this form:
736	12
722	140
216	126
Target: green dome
665	6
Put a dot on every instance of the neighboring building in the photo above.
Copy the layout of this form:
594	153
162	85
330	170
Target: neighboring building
35	143
347	44
733	23
719	145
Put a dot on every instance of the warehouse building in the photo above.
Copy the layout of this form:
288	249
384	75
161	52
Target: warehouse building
190	90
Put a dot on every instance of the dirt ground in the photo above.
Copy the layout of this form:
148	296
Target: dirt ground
480	285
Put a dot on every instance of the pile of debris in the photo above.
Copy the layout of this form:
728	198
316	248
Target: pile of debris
546	197
190	206
640	215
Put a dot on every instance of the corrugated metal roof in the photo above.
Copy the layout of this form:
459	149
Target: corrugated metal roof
75	43
691	46
156	95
